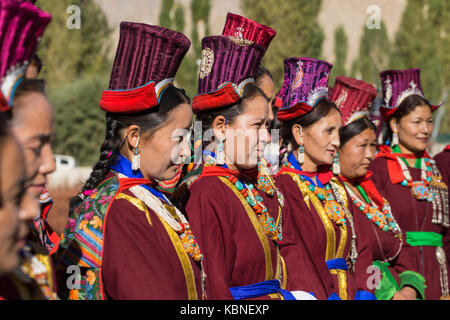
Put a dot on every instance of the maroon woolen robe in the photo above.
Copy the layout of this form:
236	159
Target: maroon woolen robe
443	163
412	215
139	259
303	228
235	252
384	244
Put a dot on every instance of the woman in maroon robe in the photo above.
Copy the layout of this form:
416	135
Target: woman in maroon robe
233	207
124	239
316	215
443	163
397	277
408	178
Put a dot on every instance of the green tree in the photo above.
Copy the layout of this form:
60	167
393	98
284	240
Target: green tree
374	55
69	53
340	53
173	16
422	41
165	19
76	68
80	123
298	31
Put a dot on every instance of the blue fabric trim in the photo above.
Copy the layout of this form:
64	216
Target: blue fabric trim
334	296
364	295
294	162
13	91
260	289
306	102
338	263
123	166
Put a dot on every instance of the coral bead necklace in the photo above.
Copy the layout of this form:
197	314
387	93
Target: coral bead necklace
332	207
250	194
381	217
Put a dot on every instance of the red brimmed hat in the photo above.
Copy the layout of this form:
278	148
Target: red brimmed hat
353	98
230	61
146	62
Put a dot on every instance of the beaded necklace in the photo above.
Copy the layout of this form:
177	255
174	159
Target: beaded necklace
382	218
332	207
419	189
250	194
430	188
252	197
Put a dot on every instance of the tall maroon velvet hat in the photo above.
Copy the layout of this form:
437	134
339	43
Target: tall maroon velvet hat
353	98
398	85
21	28
242	29
230	61
307	83
146	62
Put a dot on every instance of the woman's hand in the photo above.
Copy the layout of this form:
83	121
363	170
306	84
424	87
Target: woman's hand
406	293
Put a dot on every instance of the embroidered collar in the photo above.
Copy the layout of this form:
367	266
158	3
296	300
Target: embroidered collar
135	177
323	176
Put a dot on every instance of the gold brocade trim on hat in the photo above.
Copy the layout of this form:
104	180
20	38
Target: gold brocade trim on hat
206	62
256	225
240	41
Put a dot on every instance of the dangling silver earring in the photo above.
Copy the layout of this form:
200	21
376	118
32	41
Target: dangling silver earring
394	141
220	153
336	165
301	154
136	158
301	150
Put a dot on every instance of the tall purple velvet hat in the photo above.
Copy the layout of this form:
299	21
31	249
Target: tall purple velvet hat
307	83
229	62
396	86
146	61
21	28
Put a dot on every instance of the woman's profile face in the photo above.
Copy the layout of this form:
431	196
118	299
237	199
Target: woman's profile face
247	137
414	130
15	204
163	153
33	125
357	154
321	139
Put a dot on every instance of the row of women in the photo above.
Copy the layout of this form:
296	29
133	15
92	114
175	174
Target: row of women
342	218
